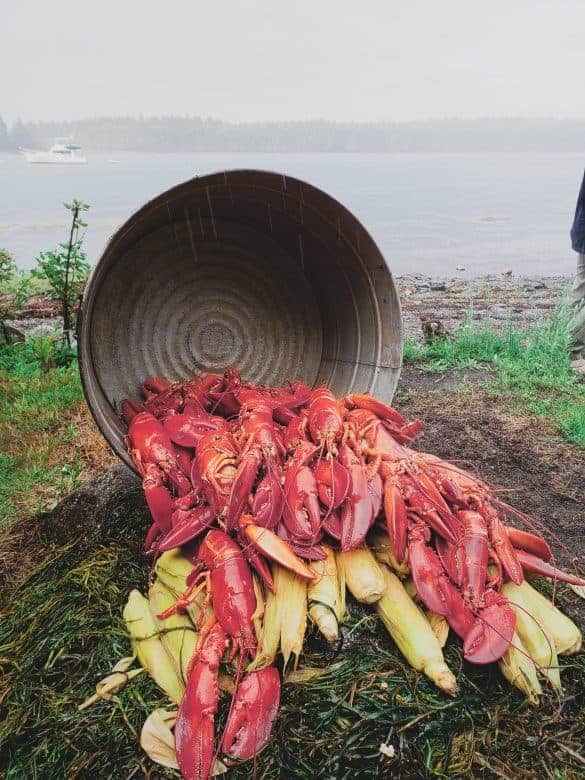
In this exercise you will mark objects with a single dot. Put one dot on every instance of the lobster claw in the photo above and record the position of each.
(195, 728)
(268, 502)
(531, 543)
(253, 711)
(190, 525)
(273, 547)
(492, 631)
(536, 565)
(158, 497)
(333, 482)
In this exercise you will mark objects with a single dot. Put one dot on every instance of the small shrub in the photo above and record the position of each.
(66, 269)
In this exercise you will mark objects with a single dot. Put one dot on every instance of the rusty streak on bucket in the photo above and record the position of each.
(246, 268)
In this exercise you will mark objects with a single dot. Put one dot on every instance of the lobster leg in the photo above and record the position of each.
(253, 711)
(194, 728)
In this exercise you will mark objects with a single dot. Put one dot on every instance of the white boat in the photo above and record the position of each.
(63, 152)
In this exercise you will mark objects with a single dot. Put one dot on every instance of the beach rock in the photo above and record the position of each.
(438, 286)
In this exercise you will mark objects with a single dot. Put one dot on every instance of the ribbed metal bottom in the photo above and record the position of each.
(169, 313)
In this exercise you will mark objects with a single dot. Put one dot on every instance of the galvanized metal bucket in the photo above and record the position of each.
(245, 268)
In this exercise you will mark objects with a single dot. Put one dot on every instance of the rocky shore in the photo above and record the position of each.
(492, 300)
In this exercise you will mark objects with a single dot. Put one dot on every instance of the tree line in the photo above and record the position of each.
(199, 134)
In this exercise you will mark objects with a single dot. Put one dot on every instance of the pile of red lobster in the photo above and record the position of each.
(245, 474)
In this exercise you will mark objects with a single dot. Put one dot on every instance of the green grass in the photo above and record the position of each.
(38, 459)
(531, 369)
(62, 631)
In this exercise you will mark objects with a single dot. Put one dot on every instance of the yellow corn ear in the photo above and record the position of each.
(412, 633)
(292, 590)
(518, 668)
(362, 573)
(177, 632)
(565, 634)
(534, 634)
(326, 596)
(379, 544)
(439, 625)
(148, 647)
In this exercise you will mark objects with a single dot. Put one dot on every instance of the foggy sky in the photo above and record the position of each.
(299, 59)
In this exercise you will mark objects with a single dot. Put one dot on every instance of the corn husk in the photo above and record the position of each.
(565, 634)
(292, 591)
(439, 625)
(258, 615)
(172, 569)
(410, 588)
(113, 682)
(379, 544)
(518, 668)
(148, 647)
(412, 633)
(362, 573)
(534, 634)
(177, 632)
(326, 596)
(269, 642)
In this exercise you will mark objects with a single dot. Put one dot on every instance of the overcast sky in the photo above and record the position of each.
(300, 59)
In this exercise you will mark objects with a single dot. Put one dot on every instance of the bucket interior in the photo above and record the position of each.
(246, 269)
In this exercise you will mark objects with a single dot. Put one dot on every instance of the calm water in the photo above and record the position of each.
(428, 213)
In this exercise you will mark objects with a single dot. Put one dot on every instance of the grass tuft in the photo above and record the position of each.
(530, 369)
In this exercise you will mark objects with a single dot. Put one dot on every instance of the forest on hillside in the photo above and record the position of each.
(198, 134)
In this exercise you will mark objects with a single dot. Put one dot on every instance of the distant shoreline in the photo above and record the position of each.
(200, 134)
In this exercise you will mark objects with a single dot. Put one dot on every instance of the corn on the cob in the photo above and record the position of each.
(362, 573)
(293, 591)
(148, 647)
(534, 634)
(326, 596)
(518, 668)
(412, 633)
(379, 544)
(177, 632)
(565, 634)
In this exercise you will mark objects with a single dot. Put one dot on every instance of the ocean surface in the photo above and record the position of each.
(428, 213)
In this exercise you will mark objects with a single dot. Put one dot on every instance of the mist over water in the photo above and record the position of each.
(428, 212)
